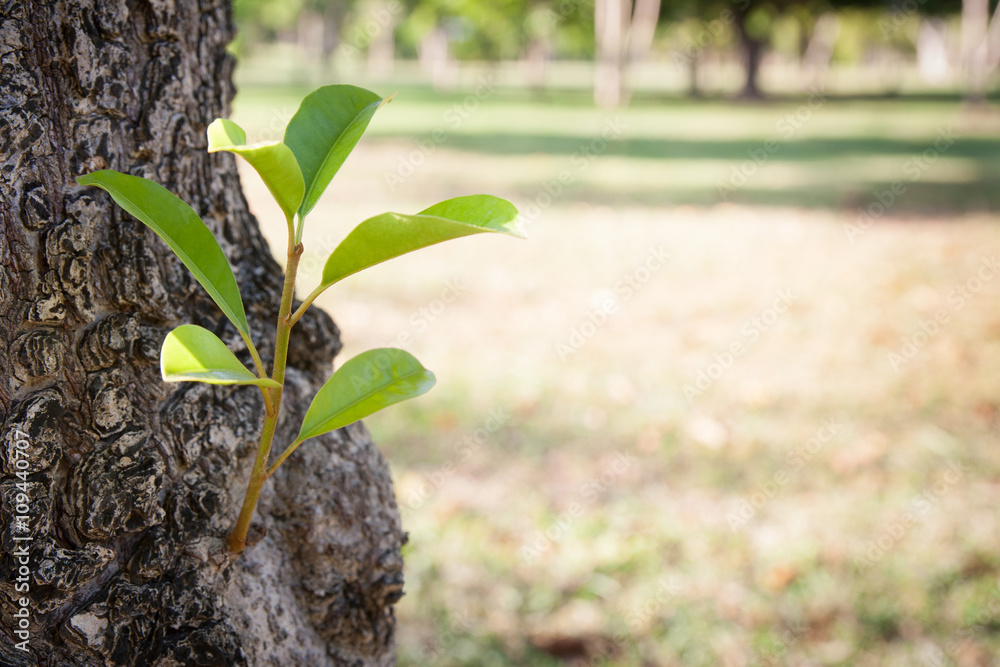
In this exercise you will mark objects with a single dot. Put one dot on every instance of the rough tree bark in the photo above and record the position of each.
(133, 484)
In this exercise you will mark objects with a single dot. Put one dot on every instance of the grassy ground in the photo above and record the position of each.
(695, 419)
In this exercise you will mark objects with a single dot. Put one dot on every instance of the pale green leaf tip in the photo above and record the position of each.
(221, 135)
(517, 228)
(90, 180)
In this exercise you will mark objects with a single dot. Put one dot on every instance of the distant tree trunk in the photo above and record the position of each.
(693, 91)
(133, 484)
(818, 53)
(435, 58)
(975, 56)
(993, 41)
(623, 34)
(540, 29)
(309, 35)
(932, 51)
(382, 48)
(642, 29)
(980, 47)
(333, 17)
(752, 49)
(535, 62)
(609, 28)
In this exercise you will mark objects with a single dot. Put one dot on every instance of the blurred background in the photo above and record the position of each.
(735, 400)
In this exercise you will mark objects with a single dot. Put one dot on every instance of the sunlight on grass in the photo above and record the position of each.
(591, 480)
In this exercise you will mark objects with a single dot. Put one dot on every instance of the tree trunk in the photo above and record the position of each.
(333, 17)
(610, 17)
(623, 32)
(309, 35)
(975, 56)
(693, 91)
(818, 54)
(932, 51)
(435, 58)
(993, 42)
(535, 63)
(132, 484)
(642, 29)
(752, 52)
(382, 47)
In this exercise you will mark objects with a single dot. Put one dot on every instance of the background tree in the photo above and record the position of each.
(134, 484)
(980, 46)
(624, 31)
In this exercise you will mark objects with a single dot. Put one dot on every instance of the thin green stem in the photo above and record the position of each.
(281, 459)
(284, 325)
(298, 229)
(301, 310)
(255, 354)
(294, 235)
(238, 538)
(261, 373)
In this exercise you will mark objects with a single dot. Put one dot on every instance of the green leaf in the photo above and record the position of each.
(367, 383)
(194, 354)
(325, 130)
(273, 160)
(180, 228)
(392, 234)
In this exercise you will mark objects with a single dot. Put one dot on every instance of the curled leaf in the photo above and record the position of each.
(273, 161)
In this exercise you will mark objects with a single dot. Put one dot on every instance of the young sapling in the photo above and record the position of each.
(296, 170)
